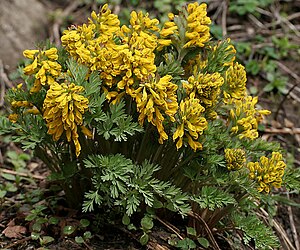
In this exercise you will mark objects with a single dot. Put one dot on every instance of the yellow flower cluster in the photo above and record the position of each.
(121, 55)
(84, 42)
(191, 122)
(236, 81)
(141, 40)
(44, 67)
(63, 110)
(235, 158)
(267, 172)
(245, 117)
(155, 99)
(197, 32)
(206, 88)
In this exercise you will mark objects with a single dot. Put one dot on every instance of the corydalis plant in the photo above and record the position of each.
(141, 116)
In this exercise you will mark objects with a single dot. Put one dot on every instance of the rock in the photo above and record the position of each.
(23, 23)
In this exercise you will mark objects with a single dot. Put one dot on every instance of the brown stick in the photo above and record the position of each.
(207, 229)
(171, 227)
(56, 26)
(18, 242)
(224, 18)
(293, 227)
(293, 131)
(8, 171)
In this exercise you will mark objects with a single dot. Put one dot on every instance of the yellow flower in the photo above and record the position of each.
(207, 89)
(78, 42)
(106, 24)
(235, 158)
(63, 110)
(230, 51)
(30, 54)
(235, 81)
(18, 104)
(197, 33)
(13, 118)
(267, 172)
(44, 67)
(33, 111)
(245, 117)
(155, 99)
(191, 123)
(169, 28)
(141, 22)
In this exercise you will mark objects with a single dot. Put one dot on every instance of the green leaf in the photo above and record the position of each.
(144, 239)
(78, 71)
(10, 187)
(253, 67)
(126, 220)
(131, 227)
(157, 204)
(186, 244)
(30, 217)
(285, 201)
(213, 197)
(44, 240)
(35, 235)
(41, 220)
(79, 239)
(191, 231)
(24, 157)
(37, 227)
(68, 230)
(203, 242)
(2, 193)
(147, 223)
(87, 235)
(8, 177)
(84, 222)
(53, 220)
(268, 88)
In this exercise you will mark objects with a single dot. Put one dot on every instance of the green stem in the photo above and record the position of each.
(143, 145)
(41, 153)
(158, 153)
(185, 161)
(219, 214)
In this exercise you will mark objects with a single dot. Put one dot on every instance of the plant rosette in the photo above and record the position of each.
(148, 115)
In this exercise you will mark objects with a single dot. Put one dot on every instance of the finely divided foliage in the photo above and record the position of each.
(148, 116)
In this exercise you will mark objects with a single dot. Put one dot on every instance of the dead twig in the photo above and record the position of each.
(18, 242)
(207, 229)
(58, 22)
(155, 246)
(224, 18)
(280, 231)
(291, 131)
(287, 70)
(296, 77)
(256, 21)
(4, 82)
(170, 227)
(8, 171)
(293, 227)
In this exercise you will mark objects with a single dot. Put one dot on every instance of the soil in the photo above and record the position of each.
(25, 22)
